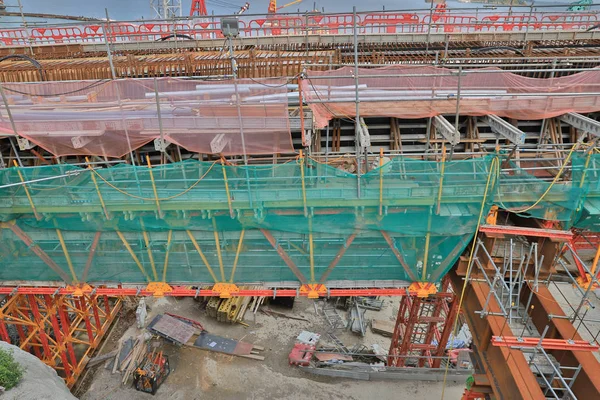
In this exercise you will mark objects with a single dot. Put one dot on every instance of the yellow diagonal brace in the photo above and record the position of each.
(67, 257)
(169, 237)
(202, 256)
(311, 249)
(149, 250)
(380, 182)
(443, 170)
(97, 188)
(37, 216)
(226, 187)
(130, 250)
(218, 250)
(237, 255)
(160, 214)
(427, 242)
(303, 184)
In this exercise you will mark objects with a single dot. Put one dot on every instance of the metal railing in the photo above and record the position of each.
(418, 21)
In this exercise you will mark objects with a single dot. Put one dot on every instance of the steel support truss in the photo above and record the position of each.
(62, 330)
(422, 328)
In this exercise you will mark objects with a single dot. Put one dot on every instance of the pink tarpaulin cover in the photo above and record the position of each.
(111, 118)
(426, 91)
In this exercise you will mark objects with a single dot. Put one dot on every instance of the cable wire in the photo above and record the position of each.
(90, 86)
(152, 198)
(493, 167)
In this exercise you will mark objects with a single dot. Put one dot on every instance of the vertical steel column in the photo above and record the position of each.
(66, 329)
(60, 339)
(37, 316)
(82, 308)
(4, 332)
(240, 119)
(118, 93)
(94, 306)
(451, 316)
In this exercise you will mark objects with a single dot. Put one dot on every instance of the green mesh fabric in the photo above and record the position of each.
(520, 191)
(586, 175)
(408, 220)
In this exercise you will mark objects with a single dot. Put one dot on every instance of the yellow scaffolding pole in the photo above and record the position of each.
(130, 250)
(303, 184)
(169, 237)
(218, 250)
(149, 250)
(160, 214)
(97, 188)
(37, 216)
(237, 255)
(439, 197)
(427, 240)
(380, 182)
(202, 256)
(67, 256)
(311, 250)
(227, 188)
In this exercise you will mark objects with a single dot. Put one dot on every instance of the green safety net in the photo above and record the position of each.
(586, 175)
(551, 197)
(408, 220)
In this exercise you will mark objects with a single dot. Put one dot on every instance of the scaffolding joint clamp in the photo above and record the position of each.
(159, 289)
(226, 290)
(313, 290)
(422, 289)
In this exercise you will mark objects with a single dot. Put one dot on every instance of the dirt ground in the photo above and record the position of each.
(199, 374)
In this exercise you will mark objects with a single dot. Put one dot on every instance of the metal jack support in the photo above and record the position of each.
(423, 328)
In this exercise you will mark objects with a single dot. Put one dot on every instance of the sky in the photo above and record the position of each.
(137, 9)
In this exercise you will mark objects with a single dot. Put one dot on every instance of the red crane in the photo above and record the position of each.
(198, 8)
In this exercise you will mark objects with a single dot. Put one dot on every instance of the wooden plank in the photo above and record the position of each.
(252, 356)
(385, 328)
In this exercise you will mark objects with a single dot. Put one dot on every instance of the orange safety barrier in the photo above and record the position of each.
(276, 26)
(392, 23)
(507, 23)
(441, 20)
(91, 32)
(339, 24)
(568, 21)
(13, 36)
(122, 32)
(450, 23)
(211, 30)
(57, 34)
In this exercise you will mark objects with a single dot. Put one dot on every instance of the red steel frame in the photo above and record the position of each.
(420, 321)
(583, 241)
(62, 330)
(187, 291)
(508, 372)
(546, 344)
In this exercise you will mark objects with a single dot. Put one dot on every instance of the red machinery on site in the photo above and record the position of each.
(152, 372)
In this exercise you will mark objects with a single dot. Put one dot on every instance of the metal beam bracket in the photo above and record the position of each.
(446, 129)
(506, 129)
(160, 144)
(24, 144)
(581, 122)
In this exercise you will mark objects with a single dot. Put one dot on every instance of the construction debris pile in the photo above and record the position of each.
(328, 355)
